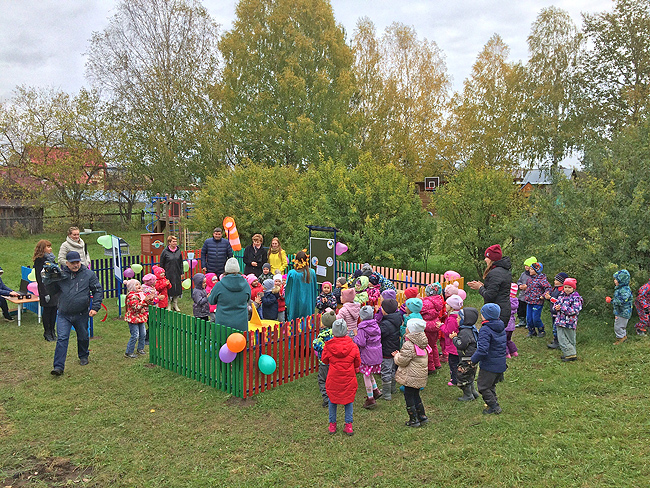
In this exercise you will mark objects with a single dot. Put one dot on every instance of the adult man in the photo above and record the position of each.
(77, 285)
(214, 253)
(74, 242)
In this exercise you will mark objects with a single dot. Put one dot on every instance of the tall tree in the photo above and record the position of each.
(157, 59)
(287, 84)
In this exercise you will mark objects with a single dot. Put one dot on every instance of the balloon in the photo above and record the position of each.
(462, 294)
(128, 273)
(123, 300)
(451, 275)
(340, 248)
(608, 299)
(226, 355)
(193, 263)
(266, 364)
(236, 342)
(137, 268)
(186, 284)
(105, 240)
(186, 266)
(32, 275)
(33, 288)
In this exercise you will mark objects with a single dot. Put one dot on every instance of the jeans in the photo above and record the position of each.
(64, 324)
(138, 335)
(534, 317)
(348, 412)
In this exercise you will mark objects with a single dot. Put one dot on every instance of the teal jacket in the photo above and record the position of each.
(231, 296)
(623, 298)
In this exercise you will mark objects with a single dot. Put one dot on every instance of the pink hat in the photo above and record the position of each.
(347, 295)
(250, 278)
(326, 283)
(451, 289)
(455, 302)
(572, 282)
(149, 278)
(513, 289)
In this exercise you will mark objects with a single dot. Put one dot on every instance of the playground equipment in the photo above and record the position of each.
(233, 235)
(167, 216)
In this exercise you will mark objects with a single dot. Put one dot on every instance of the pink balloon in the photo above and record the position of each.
(462, 294)
(193, 263)
(129, 273)
(340, 248)
(33, 288)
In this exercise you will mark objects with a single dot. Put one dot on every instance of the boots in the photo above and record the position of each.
(393, 386)
(553, 345)
(474, 392)
(419, 410)
(413, 417)
(387, 394)
(175, 304)
(370, 403)
(376, 394)
(467, 394)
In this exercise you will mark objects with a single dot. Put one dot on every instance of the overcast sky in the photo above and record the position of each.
(42, 41)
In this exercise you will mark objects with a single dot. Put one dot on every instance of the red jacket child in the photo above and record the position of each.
(344, 359)
(431, 307)
(162, 286)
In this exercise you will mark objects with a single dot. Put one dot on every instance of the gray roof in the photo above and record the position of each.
(543, 176)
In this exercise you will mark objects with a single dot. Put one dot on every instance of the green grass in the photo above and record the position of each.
(563, 424)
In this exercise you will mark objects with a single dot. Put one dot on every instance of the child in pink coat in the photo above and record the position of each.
(349, 311)
(512, 323)
(432, 305)
(454, 304)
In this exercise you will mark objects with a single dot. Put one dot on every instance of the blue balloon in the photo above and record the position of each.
(266, 364)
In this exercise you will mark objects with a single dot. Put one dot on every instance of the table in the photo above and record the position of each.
(87, 232)
(20, 302)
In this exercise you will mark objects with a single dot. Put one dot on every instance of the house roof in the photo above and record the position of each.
(543, 176)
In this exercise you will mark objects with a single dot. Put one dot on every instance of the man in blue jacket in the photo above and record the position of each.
(5, 291)
(214, 253)
(77, 286)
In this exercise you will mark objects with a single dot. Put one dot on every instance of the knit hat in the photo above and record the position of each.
(490, 311)
(232, 266)
(250, 278)
(366, 269)
(411, 292)
(130, 284)
(538, 267)
(572, 282)
(455, 302)
(561, 276)
(451, 289)
(469, 316)
(530, 261)
(268, 284)
(416, 325)
(266, 266)
(339, 328)
(357, 273)
(494, 252)
(514, 288)
(366, 312)
(341, 280)
(434, 288)
(277, 277)
(327, 319)
(347, 295)
(373, 279)
(389, 305)
(149, 278)
(361, 284)
(326, 283)
(389, 294)
(414, 305)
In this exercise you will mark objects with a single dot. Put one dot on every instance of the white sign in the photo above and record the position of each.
(117, 258)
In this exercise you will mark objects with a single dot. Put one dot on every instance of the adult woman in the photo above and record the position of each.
(74, 242)
(48, 300)
(231, 295)
(498, 278)
(254, 256)
(277, 257)
(171, 260)
(301, 290)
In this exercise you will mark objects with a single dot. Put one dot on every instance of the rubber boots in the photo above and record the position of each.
(413, 417)
(387, 394)
(419, 410)
(467, 394)
(393, 386)
(175, 304)
(474, 392)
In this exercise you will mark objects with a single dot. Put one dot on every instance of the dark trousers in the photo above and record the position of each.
(521, 310)
(412, 396)
(49, 320)
(4, 307)
(486, 383)
(322, 378)
(453, 367)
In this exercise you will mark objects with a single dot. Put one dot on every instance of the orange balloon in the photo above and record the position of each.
(236, 342)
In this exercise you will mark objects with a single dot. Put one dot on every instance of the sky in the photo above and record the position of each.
(42, 42)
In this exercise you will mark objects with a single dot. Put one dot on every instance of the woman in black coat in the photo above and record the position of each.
(498, 278)
(49, 301)
(171, 260)
(255, 256)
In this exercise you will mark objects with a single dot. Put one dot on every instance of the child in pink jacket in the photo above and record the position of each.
(432, 305)
(349, 311)
(454, 304)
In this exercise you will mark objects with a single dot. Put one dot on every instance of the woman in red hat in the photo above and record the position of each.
(497, 277)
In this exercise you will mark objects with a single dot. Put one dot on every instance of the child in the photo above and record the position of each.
(349, 311)
(522, 283)
(622, 303)
(211, 280)
(201, 307)
(465, 342)
(342, 356)
(325, 334)
(512, 351)
(266, 273)
(149, 286)
(341, 284)
(568, 306)
(552, 297)
(136, 315)
(534, 298)
(254, 283)
(491, 355)
(410, 292)
(389, 325)
(368, 339)
(412, 308)
(282, 307)
(642, 304)
(270, 301)
(360, 287)
(326, 299)
(374, 291)
(412, 369)
(432, 304)
(162, 287)
(454, 304)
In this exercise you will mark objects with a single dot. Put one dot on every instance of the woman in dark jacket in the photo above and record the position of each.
(254, 256)
(498, 278)
(49, 301)
(171, 260)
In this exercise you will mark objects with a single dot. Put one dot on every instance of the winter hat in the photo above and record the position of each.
(389, 305)
(361, 284)
(415, 325)
(373, 279)
(411, 292)
(494, 252)
(341, 280)
(266, 266)
(389, 294)
(268, 284)
(339, 328)
(232, 266)
(490, 311)
(325, 283)
(357, 273)
(277, 277)
(250, 278)
(327, 319)
(414, 305)
(158, 271)
(469, 316)
(514, 288)
(538, 267)
(366, 269)
(130, 284)
(455, 302)
(366, 312)
(572, 282)
(561, 276)
(198, 280)
(530, 261)
(451, 289)
(347, 295)
(149, 278)
(434, 288)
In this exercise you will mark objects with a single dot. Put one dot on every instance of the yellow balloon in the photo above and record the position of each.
(32, 275)
(105, 241)
(186, 267)
(137, 268)
(186, 284)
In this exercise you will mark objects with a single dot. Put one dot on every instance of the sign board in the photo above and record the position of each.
(117, 258)
(322, 258)
(431, 183)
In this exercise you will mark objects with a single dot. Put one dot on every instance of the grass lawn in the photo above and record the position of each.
(119, 422)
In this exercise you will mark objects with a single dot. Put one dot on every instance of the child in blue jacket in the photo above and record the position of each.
(622, 303)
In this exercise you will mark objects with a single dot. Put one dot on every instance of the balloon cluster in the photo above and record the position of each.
(132, 271)
(235, 343)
